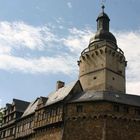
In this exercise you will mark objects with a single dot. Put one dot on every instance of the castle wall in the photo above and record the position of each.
(92, 129)
(54, 133)
(87, 120)
(102, 121)
(122, 129)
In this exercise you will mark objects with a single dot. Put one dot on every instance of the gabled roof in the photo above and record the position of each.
(31, 108)
(60, 94)
(53, 97)
(20, 105)
(8, 105)
(107, 96)
(43, 99)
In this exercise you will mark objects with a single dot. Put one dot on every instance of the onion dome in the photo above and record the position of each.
(103, 29)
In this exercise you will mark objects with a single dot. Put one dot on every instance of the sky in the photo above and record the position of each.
(41, 41)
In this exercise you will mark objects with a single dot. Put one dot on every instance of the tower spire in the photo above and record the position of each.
(103, 20)
(103, 27)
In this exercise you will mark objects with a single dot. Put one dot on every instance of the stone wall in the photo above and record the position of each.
(54, 133)
(122, 129)
(102, 68)
(83, 129)
(101, 121)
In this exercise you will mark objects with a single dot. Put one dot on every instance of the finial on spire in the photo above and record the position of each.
(102, 3)
(103, 7)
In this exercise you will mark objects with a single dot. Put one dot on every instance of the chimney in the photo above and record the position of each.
(60, 84)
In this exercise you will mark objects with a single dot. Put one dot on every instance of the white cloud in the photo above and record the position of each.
(77, 40)
(46, 65)
(18, 35)
(69, 4)
(129, 42)
(133, 87)
(5, 49)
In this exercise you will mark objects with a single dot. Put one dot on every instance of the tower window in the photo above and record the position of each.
(137, 111)
(101, 51)
(113, 78)
(94, 77)
(79, 108)
(126, 109)
(96, 52)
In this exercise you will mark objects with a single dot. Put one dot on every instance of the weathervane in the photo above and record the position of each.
(102, 4)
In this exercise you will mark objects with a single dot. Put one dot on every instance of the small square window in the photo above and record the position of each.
(116, 108)
(94, 77)
(137, 111)
(126, 109)
(113, 78)
(79, 108)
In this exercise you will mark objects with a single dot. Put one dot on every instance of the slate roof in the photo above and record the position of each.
(108, 96)
(8, 105)
(52, 98)
(60, 94)
(31, 108)
(44, 99)
(20, 105)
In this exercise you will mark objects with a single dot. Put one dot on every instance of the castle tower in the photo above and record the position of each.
(102, 64)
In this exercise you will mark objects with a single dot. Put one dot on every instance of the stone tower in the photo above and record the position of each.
(102, 64)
